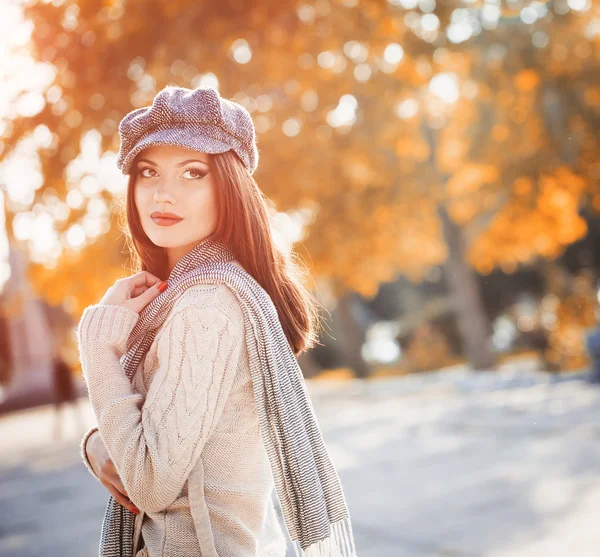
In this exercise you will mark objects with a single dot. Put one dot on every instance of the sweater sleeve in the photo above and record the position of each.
(155, 442)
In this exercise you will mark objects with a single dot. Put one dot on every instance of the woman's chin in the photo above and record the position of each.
(166, 240)
(171, 240)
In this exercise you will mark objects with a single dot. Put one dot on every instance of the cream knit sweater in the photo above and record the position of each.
(188, 420)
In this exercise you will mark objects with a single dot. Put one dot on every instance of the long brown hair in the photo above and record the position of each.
(243, 222)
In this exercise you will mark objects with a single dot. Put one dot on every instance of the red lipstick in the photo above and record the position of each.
(165, 219)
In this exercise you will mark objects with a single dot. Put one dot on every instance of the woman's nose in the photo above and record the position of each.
(162, 193)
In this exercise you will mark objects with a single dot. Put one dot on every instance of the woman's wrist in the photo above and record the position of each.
(105, 325)
(83, 450)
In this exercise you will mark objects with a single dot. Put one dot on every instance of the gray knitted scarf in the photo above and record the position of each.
(307, 484)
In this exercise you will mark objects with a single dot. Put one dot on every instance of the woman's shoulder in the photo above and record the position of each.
(217, 296)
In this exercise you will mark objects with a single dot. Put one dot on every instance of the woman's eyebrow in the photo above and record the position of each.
(191, 160)
(179, 164)
(146, 160)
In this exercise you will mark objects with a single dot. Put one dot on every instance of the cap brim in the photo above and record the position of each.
(178, 137)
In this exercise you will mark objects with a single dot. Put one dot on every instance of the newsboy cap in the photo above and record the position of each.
(198, 119)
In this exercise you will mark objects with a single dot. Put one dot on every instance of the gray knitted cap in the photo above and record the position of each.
(198, 119)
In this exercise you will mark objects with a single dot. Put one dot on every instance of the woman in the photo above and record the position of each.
(65, 393)
(190, 363)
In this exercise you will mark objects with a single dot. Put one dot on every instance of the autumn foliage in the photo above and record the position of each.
(372, 117)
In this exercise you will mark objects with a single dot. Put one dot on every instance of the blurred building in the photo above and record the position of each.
(29, 338)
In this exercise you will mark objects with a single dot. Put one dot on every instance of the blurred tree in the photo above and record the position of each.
(6, 356)
(409, 134)
(428, 349)
(575, 302)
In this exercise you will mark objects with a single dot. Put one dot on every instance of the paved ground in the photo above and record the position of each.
(439, 465)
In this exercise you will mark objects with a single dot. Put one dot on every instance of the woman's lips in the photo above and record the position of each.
(161, 221)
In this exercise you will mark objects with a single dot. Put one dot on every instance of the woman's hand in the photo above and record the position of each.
(105, 470)
(134, 292)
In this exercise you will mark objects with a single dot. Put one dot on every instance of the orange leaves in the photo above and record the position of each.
(466, 200)
(373, 181)
(458, 62)
(391, 25)
(591, 96)
(540, 220)
(523, 186)
(575, 313)
(561, 193)
(81, 278)
(470, 178)
(455, 138)
(500, 133)
(451, 154)
(463, 211)
(357, 169)
(526, 80)
(372, 241)
(413, 147)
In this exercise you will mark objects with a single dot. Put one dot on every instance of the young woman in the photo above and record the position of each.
(190, 363)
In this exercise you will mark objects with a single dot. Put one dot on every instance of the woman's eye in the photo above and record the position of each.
(142, 170)
(195, 173)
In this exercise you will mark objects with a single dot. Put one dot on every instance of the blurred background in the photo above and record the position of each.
(435, 163)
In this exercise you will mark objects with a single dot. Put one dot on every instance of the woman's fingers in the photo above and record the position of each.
(138, 303)
(111, 476)
(134, 292)
(146, 287)
(143, 278)
(120, 498)
(119, 485)
(137, 291)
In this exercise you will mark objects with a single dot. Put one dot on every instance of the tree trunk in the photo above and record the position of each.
(460, 278)
(353, 336)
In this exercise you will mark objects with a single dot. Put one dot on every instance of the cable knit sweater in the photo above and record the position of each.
(184, 435)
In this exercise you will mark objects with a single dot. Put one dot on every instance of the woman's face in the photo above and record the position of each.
(176, 180)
